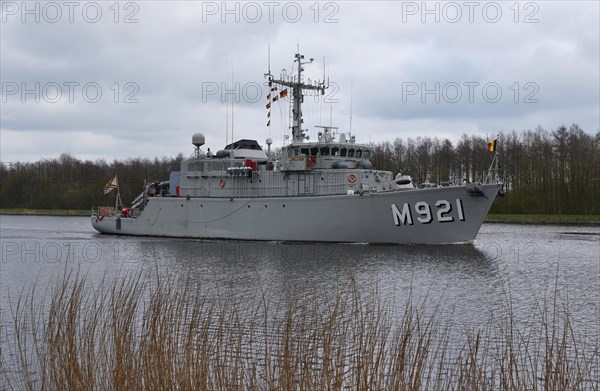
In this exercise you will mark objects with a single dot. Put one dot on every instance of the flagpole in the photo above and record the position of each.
(489, 176)
(493, 167)
(118, 201)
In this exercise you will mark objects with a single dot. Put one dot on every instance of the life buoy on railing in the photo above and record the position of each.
(222, 183)
(352, 178)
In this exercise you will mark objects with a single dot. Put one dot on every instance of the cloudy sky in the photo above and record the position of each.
(136, 79)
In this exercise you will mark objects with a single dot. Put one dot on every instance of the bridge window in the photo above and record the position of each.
(335, 151)
(366, 154)
(325, 151)
(351, 153)
(358, 153)
(343, 151)
(304, 151)
(314, 151)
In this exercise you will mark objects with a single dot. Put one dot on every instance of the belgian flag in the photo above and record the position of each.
(491, 146)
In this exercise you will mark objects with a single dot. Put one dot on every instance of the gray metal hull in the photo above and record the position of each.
(423, 216)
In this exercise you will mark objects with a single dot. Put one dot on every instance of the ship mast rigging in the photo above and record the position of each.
(298, 86)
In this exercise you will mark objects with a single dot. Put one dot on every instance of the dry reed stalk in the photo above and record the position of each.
(129, 334)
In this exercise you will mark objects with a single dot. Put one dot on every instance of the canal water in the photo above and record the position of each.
(517, 264)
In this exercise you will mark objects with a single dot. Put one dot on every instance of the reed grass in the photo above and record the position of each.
(129, 334)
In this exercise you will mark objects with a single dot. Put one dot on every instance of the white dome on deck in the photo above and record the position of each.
(198, 139)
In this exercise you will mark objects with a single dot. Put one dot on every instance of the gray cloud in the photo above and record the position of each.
(154, 74)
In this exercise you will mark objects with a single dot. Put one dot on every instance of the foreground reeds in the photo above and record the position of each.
(132, 335)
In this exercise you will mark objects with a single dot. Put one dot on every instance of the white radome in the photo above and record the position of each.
(198, 139)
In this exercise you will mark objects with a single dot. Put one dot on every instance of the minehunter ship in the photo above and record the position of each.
(325, 190)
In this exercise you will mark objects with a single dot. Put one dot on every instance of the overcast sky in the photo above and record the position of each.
(137, 79)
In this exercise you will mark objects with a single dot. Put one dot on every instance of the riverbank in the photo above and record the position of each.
(46, 212)
(588, 220)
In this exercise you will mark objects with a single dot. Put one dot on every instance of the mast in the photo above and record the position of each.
(297, 87)
(118, 202)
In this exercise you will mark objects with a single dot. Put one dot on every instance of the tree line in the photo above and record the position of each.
(544, 172)
(69, 183)
(550, 172)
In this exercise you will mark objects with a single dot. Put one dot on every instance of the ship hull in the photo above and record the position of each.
(423, 216)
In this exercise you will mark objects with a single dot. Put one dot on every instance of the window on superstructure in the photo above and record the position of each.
(325, 151)
(366, 154)
(335, 151)
(343, 152)
(314, 151)
(304, 151)
(358, 153)
(351, 153)
(214, 166)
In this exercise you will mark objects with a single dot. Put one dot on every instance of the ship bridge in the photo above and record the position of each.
(326, 153)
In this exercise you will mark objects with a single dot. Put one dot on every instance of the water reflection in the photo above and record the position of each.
(464, 275)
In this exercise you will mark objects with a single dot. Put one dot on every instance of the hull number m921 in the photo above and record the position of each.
(425, 215)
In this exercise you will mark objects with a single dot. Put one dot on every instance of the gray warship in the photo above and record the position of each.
(324, 190)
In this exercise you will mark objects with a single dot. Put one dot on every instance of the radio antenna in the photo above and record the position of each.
(227, 124)
(351, 90)
(233, 100)
(269, 58)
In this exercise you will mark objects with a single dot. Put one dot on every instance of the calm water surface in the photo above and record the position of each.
(469, 281)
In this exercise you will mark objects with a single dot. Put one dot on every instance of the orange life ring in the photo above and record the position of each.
(222, 183)
(352, 178)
